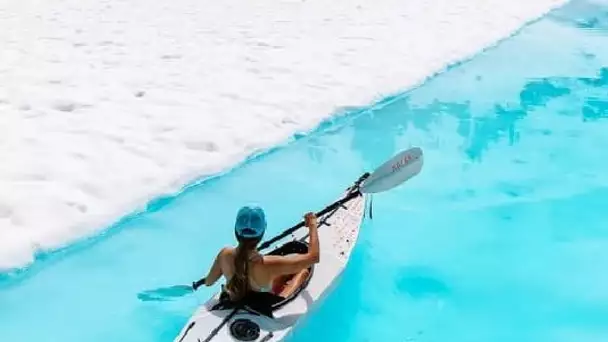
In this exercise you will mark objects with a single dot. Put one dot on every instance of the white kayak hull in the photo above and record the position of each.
(338, 234)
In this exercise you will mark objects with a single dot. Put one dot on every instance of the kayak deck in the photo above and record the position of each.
(338, 233)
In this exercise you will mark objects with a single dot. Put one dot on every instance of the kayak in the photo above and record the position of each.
(268, 317)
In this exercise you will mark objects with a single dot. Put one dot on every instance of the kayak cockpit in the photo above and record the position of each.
(265, 303)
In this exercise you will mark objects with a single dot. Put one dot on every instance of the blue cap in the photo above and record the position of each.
(250, 222)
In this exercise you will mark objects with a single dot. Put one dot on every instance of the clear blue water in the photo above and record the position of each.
(502, 237)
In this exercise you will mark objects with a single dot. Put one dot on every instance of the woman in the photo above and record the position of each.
(246, 270)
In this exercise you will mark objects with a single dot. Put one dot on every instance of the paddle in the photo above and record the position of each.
(397, 170)
(392, 173)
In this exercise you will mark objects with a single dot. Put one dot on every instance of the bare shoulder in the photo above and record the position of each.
(227, 249)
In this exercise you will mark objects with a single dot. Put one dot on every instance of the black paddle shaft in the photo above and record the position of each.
(355, 193)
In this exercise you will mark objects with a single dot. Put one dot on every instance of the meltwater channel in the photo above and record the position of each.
(503, 236)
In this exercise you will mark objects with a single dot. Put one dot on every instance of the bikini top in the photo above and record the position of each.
(257, 287)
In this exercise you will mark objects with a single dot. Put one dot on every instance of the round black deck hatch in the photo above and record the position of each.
(245, 330)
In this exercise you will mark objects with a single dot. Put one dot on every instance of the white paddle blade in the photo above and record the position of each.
(400, 168)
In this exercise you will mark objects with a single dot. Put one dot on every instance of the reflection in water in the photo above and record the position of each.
(598, 82)
(480, 130)
(584, 14)
(539, 93)
(366, 130)
(595, 109)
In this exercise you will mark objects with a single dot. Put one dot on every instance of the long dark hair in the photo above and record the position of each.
(238, 286)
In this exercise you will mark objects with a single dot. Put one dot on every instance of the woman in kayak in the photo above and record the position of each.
(246, 270)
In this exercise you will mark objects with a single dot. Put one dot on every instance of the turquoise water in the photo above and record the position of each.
(502, 237)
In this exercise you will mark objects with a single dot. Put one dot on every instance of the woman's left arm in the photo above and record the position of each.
(214, 273)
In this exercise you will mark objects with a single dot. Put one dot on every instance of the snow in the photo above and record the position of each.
(105, 104)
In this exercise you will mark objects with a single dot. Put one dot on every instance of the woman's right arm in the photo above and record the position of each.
(284, 265)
